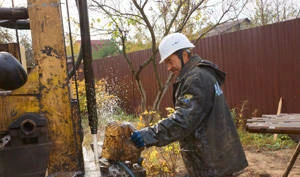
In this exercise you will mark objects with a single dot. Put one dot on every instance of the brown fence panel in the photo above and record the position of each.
(289, 65)
(262, 65)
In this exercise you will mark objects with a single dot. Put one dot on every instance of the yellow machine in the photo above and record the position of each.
(38, 119)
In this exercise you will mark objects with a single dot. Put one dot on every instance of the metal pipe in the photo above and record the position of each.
(13, 13)
(87, 65)
(15, 24)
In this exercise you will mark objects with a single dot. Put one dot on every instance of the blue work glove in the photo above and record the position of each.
(137, 139)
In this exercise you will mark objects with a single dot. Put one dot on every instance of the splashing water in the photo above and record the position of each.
(107, 106)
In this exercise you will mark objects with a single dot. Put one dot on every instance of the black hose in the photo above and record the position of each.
(126, 169)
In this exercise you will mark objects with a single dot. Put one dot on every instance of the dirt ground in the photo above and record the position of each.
(270, 163)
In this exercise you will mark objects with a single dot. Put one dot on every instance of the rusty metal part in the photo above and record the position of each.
(78, 133)
(87, 63)
(15, 24)
(24, 161)
(27, 153)
(13, 13)
(29, 128)
(49, 80)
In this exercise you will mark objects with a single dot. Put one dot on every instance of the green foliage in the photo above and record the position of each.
(108, 49)
(260, 141)
(121, 115)
(137, 46)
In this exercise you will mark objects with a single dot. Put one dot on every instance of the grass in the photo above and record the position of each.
(123, 116)
(258, 141)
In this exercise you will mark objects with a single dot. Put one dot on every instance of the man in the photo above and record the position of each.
(202, 122)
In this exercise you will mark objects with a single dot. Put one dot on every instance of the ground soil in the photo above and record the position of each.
(270, 163)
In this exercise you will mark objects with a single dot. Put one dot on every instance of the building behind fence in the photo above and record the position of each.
(262, 65)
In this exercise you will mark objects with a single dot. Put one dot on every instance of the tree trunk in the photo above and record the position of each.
(142, 93)
(161, 93)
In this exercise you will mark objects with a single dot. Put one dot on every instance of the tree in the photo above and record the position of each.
(272, 11)
(26, 42)
(5, 36)
(109, 48)
(144, 21)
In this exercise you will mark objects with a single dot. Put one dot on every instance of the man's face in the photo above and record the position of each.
(173, 64)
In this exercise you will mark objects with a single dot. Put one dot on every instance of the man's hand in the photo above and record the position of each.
(137, 139)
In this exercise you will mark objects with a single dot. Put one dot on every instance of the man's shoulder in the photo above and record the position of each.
(200, 74)
(200, 71)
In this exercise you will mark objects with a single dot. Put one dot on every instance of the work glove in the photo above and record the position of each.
(137, 139)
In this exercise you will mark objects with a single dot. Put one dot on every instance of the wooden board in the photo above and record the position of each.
(282, 123)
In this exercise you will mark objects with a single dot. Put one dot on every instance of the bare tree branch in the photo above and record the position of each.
(220, 19)
(174, 17)
(188, 15)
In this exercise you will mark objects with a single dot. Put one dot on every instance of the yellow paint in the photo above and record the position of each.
(48, 44)
(46, 90)
(32, 84)
(188, 96)
(11, 107)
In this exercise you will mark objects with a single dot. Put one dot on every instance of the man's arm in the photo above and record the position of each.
(191, 108)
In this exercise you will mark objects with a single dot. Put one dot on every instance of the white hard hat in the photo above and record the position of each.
(171, 43)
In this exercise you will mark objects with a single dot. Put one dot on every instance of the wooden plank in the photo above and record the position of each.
(273, 129)
(295, 115)
(282, 123)
(273, 120)
(266, 130)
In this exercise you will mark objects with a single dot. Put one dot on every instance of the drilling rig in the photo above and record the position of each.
(40, 128)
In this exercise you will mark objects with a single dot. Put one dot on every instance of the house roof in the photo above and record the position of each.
(225, 27)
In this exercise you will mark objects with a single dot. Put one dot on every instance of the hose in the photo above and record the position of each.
(126, 169)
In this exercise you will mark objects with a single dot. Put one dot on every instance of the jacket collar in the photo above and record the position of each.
(194, 61)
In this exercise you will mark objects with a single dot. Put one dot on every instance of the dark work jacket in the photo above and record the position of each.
(202, 123)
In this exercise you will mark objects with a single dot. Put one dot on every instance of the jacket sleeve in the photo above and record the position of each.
(191, 107)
